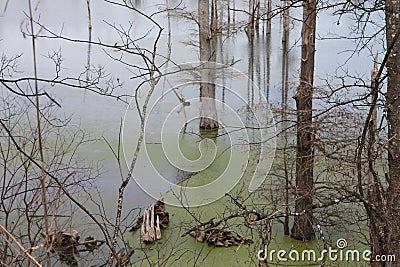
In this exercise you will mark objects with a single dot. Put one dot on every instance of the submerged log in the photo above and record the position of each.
(200, 236)
(219, 236)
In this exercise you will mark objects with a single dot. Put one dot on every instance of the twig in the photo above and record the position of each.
(43, 177)
(21, 247)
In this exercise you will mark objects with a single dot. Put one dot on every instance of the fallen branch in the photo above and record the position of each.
(21, 247)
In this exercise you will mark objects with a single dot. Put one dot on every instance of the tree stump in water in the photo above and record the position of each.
(153, 218)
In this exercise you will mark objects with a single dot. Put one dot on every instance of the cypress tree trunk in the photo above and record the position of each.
(302, 228)
(250, 22)
(208, 119)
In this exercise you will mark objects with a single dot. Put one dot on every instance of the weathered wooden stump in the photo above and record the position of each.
(153, 218)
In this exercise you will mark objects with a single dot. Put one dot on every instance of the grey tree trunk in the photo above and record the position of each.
(250, 22)
(214, 17)
(234, 11)
(286, 18)
(229, 13)
(208, 116)
(302, 228)
(221, 17)
(269, 16)
(285, 88)
(257, 16)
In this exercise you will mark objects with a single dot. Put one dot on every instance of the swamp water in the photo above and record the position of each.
(101, 116)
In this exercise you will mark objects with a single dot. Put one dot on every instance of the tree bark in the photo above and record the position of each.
(214, 17)
(286, 18)
(374, 193)
(284, 107)
(208, 116)
(393, 106)
(250, 22)
(257, 19)
(302, 228)
(229, 13)
(269, 17)
(385, 232)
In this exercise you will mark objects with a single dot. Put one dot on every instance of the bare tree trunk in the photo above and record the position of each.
(221, 16)
(302, 228)
(286, 18)
(257, 23)
(385, 230)
(234, 12)
(250, 23)
(250, 73)
(208, 118)
(214, 17)
(39, 136)
(268, 67)
(229, 13)
(89, 41)
(269, 17)
(285, 88)
(377, 223)
(377, 232)
(393, 106)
